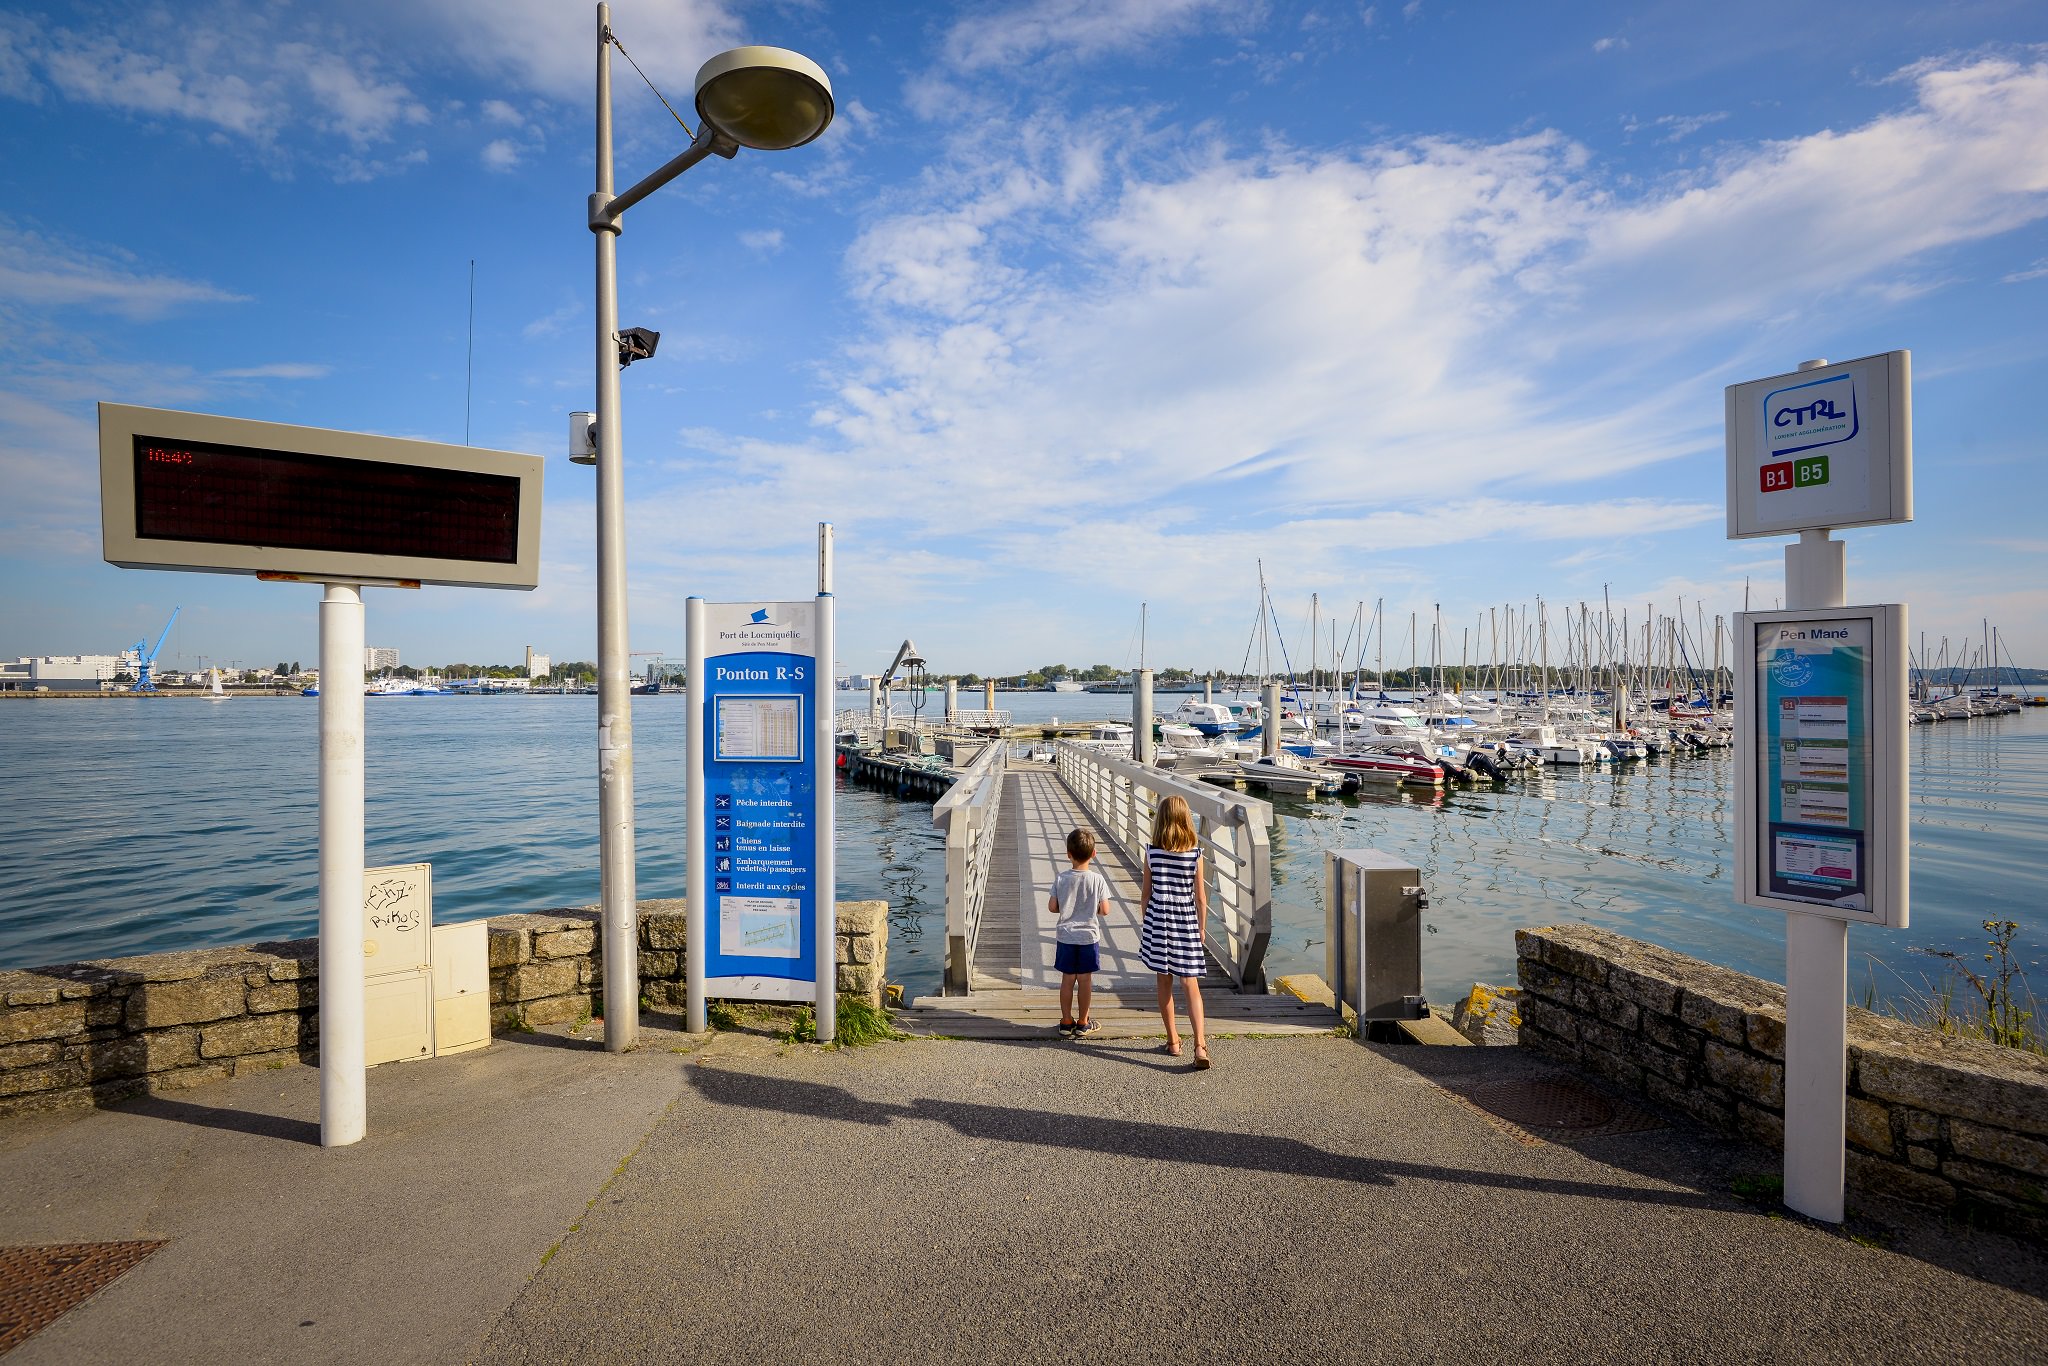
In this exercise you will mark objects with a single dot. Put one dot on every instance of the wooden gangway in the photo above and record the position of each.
(1006, 822)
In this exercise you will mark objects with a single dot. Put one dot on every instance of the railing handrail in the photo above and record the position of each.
(968, 787)
(1120, 796)
(967, 815)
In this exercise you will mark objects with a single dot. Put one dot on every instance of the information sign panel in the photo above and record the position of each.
(1821, 794)
(231, 496)
(1829, 447)
(754, 690)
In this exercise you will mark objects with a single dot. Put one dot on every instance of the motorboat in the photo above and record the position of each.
(1396, 763)
(1210, 718)
(1283, 775)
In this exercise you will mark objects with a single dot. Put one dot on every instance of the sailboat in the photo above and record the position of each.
(214, 692)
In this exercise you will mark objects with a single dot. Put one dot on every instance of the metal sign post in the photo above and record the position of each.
(344, 1105)
(1821, 788)
(225, 495)
(758, 803)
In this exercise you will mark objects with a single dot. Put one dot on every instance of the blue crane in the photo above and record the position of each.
(142, 683)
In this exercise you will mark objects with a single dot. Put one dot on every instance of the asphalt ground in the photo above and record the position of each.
(742, 1199)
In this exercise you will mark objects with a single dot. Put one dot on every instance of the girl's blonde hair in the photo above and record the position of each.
(1173, 826)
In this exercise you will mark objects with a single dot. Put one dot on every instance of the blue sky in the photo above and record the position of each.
(1076, 306)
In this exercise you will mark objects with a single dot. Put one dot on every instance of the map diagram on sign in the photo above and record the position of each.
(760, 926)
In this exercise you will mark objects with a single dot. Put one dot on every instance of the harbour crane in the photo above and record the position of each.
(145, 661)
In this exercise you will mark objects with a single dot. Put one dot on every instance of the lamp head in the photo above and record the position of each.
(767, 98)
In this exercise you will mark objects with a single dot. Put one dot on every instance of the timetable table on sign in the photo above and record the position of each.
(760, 728)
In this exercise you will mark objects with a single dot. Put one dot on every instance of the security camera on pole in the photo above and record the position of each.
(1820, 706)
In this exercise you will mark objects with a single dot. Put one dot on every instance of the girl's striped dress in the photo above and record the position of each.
(1171, 939)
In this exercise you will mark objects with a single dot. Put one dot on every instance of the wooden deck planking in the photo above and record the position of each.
(1015, 991)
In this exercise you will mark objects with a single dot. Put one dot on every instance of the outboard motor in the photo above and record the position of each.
(1483, 764)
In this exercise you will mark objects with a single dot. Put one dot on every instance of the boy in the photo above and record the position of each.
(1080, 898)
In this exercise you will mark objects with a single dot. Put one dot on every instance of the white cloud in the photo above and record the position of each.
(767, 241)
(553, 322)
(550, 46)
(2034, 272)
(498, 111)
(1674, 127)
(1337, 356)
(500, 154)
(278, 370)
(1807, 216)
(360, 105)
(1070, 28)
(45, 272)
(1609, 44)
(254, 74)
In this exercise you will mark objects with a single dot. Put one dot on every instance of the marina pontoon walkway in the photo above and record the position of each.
(1014, 989)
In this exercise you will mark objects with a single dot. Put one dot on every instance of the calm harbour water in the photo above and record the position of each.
(138, 826)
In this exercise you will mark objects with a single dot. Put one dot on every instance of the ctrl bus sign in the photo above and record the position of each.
(231, 496)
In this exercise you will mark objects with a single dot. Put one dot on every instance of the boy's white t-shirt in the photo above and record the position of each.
(1080, 894)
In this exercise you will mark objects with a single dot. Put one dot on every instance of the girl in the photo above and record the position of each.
(1176, 906)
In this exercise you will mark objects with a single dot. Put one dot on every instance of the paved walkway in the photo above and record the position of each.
(1310, 1199)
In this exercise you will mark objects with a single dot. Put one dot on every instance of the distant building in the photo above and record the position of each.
(64, 673)
(376, 659)
(537, 666)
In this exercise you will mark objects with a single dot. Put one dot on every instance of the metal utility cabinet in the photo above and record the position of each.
(427, 989)
(1373, 906)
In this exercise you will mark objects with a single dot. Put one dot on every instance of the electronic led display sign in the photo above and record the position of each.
(193, 491)
(228, 495)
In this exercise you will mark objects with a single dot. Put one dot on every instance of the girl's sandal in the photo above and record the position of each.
(1202, 1063)
(1171, 1048)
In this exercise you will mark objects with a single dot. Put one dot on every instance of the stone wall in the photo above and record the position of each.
(1936, 1120)
(84, 1033)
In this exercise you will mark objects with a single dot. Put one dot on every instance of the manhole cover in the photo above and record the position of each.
(1544, 1104)
(39, 1285)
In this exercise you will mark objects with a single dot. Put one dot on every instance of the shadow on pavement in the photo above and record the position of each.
(1683, 1152)
(211, 1117)
(1136, 1138)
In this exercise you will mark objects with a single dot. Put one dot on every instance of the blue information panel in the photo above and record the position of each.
(1814, 680)
(1820, 797)
(753, 698)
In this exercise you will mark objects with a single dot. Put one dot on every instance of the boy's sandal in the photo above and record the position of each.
(1087, 1027)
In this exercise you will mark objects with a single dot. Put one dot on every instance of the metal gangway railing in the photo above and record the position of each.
(1120, 796)
(975, 720)
(967, 815)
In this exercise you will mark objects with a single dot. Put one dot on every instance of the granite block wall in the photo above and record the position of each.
(84, 1033)
(1936, 1120)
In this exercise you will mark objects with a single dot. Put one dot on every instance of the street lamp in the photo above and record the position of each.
(762, 97)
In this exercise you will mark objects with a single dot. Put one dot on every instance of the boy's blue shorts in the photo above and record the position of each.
(1075, 958)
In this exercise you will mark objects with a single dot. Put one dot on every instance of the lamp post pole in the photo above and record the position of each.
(760, 97)
(618, 910)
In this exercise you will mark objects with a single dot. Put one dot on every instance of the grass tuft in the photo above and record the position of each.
(1759, 1188)
(861, 1024)
(1994, 1006)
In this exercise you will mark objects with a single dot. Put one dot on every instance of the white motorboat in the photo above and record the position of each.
(1210, 718)
(1282, 775)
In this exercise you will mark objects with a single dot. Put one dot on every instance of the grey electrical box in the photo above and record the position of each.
(1373, 906)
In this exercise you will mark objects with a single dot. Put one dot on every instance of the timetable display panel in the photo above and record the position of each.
(1821, 796)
